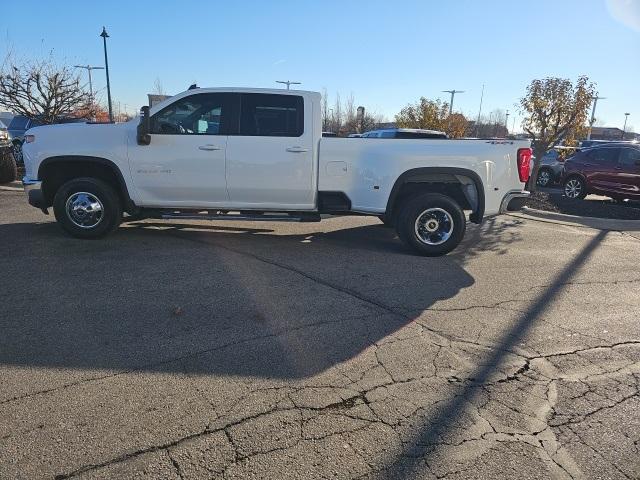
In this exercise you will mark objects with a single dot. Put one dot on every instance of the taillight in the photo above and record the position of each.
(524, 163)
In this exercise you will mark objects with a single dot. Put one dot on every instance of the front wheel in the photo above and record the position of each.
(575, 188)
(431, 224)
(87, 208)
(8, 168)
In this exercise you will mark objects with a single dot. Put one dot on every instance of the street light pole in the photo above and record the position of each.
(453, 94)
(624, 129)
(593, 114)
(288, 83)
(88, 68)
(104, 36)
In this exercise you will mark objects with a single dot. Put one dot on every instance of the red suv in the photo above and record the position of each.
(612, 170)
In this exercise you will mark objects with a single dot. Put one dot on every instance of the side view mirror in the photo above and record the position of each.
(144, 127)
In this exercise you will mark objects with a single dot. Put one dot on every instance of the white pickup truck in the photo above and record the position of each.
(258, 154)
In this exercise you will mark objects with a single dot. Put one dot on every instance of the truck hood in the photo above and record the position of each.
(101, 140)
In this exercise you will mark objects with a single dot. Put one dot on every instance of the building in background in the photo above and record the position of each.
(612, 133)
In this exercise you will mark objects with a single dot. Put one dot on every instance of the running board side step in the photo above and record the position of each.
(303, 217)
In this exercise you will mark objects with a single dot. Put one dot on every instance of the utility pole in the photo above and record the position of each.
(288, 83)
(479, 110)
(593, 114)
(88, 68)
(453, 94)
(624, 129)
(104, 36)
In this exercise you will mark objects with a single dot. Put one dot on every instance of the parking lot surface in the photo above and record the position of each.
(325, 350)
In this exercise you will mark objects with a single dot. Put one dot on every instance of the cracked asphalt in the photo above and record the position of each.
(189, 350)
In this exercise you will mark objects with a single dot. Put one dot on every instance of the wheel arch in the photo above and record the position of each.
(424, 179)
(56, 170)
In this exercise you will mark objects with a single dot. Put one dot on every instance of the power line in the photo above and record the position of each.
(453, 94)
(88, 68)
(288, 83)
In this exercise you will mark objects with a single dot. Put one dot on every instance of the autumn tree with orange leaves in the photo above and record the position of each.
(555, 110)
(432, 115)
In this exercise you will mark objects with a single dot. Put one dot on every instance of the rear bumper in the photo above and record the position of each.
(513, 201)
(34, 192)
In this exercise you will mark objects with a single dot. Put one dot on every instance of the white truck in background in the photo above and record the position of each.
(258, 154)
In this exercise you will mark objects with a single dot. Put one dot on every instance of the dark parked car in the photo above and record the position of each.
(612, 170)
(20, 124)
(8, 167)
(404, 133)
(551, 168)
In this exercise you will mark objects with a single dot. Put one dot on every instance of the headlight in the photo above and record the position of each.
(4, 135)
(29, 138)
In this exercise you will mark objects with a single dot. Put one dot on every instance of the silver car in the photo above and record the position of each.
(551, 167)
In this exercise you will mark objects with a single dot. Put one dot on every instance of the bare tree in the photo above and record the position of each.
(336, 117)
(44, 90)
(325, 110)
(158, 88)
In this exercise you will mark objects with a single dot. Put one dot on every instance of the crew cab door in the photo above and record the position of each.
(270, 163)
(599, 167)
(628, 172)
(184, 165)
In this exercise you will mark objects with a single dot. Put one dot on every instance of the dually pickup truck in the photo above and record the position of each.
(258, 154)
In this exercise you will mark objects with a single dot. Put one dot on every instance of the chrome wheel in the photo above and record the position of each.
(573, 188)
(544, 178)
(84, 209)
(434, 226)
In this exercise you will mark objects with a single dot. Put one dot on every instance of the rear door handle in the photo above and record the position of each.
(209, 147)
(297, 149)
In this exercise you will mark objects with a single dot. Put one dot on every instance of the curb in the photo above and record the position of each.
(577, 221)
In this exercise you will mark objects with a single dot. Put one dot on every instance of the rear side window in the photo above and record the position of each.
(603, 156)
(630, 157)
(271, 115)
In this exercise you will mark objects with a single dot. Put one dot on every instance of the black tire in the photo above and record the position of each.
(8, 167)
(545, 177)
(386, 221)
(17, 153)
(88, 190)
(575, 188)
(445, 216)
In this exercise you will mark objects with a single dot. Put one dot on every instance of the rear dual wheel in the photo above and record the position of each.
(431, 224)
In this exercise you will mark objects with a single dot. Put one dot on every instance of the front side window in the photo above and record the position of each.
(630, 157)
(272, 115)
(603, 156)
(199, 114)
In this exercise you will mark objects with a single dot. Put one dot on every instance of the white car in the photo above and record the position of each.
(209, 152)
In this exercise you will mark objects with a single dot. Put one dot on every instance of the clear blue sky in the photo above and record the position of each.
(386, 53)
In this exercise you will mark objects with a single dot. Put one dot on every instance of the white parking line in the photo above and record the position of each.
(11, 189)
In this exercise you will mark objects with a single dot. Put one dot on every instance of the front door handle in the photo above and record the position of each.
(297, 149)
(209, 147)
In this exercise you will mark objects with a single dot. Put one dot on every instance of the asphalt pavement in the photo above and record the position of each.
(188, 350)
